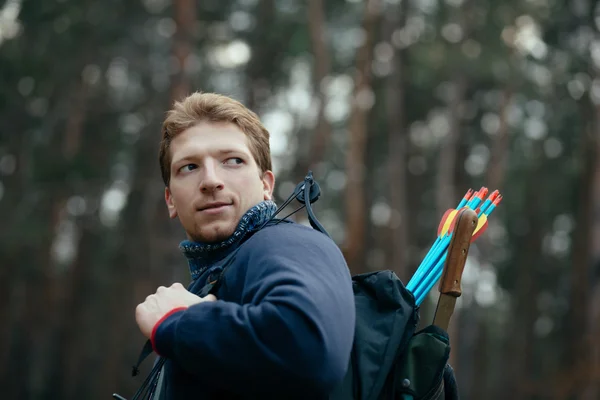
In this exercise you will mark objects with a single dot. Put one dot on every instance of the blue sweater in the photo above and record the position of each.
(282, 327)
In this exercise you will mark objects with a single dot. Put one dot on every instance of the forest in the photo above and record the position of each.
(398, 107)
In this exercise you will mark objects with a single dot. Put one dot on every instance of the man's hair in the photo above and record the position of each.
(213, 107)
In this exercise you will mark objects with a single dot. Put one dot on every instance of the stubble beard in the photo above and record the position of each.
(214, 233)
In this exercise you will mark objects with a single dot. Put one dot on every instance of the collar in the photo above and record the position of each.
(201, 255)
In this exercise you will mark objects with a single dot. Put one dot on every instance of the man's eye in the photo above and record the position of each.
(234, 161)
(188, 167)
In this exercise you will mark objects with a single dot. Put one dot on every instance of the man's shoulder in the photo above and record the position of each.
(288, 233)
(292, 247)
(290, 230)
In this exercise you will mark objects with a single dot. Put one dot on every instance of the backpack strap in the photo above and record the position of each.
(146, 351)
(159, 393)
(306, 192)
(214, 284)
(309, 193)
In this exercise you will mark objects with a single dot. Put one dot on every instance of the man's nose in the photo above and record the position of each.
(211, 180)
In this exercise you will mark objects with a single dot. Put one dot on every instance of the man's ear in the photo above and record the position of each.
(268, 180)
(170, 203)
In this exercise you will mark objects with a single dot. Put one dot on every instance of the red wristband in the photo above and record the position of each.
(167, 315)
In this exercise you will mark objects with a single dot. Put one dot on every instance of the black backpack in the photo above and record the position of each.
(389, 360)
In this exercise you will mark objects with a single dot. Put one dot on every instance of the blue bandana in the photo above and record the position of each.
(202, 255)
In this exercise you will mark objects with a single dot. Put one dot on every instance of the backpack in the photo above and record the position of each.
(389, 359)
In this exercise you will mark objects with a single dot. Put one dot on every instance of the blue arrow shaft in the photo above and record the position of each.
(425, 265)
(433, 274)
(428, 284)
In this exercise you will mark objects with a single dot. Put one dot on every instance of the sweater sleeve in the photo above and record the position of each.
(294, 327)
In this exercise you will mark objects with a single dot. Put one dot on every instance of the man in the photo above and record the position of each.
(282, 322)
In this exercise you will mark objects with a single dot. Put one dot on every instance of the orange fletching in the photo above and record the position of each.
(443, 226)
(482, 225)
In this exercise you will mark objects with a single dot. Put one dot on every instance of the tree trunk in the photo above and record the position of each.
(398, 226)
(355, 196)
(16, 253)
(527, 288)
(265, 46)
(312, 150)
(76, 342)
(322, 68)
(183, 43)
(478, 389)
(51, 294)
(579, 343)
(500, 146)
(593, 390)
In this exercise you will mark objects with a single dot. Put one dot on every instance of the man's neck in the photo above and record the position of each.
(201, 256)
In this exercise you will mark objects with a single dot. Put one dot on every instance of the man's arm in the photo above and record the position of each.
(293, 332)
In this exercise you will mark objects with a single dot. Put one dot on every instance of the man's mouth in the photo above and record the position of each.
(214, 206)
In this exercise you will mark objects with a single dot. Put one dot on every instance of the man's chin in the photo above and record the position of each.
(212, 234)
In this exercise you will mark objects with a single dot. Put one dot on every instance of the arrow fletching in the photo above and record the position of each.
(482, 225)
(446, 221)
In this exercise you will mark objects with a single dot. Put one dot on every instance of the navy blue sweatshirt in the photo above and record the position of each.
(282, 327)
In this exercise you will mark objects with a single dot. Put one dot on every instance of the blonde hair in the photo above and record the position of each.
(213, 107)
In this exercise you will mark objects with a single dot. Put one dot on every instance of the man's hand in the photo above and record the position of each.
(148, 313)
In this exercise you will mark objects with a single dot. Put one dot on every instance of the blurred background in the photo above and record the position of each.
(397, 106)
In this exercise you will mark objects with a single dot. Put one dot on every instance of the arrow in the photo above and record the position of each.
(430, 269)
(443, 228)
(424, 285)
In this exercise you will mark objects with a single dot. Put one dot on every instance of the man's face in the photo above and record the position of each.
(214, 180)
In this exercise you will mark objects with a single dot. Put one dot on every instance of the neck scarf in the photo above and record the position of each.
(201, 255)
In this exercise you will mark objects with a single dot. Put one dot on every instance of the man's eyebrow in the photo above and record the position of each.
(189, 157)
(229, 151)
(180, 159)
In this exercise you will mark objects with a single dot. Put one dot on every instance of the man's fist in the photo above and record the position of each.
(148, 313)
